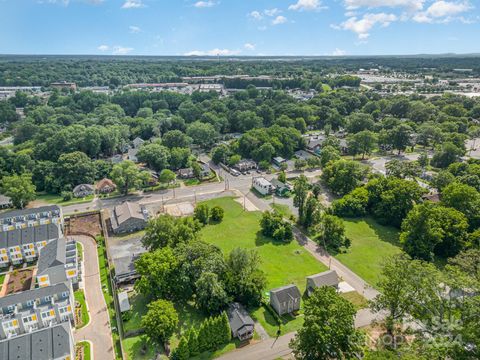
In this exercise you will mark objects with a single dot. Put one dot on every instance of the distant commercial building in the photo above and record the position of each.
(64, 85)
(245, 165)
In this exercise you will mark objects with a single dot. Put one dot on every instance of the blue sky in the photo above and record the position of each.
(239, 27)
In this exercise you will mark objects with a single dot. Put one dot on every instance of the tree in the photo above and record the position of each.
(193, 342)
(274, 226)
(156, 270)
(182, 352)
(202, 213)
(19, 189)
(73, 169)
(211, 296)
(217, 213)
(167, 176)
(331, 233)
(401, 137)
(448, 154)
(244, 279)
(165, 230)
(160, 321)
(126, 176)
(342, 176)
(300, 190)
(176, 138)
(391, 199)
(354, 204)
(156, 156)
(220, 154)
(362, 142)
(300, 164)
(202, 134)
(312, 212)
(431, 229)
(328, 153)
(465, 199)
(329, 330)
(397, 290)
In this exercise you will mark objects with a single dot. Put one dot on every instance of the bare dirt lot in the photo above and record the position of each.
(84, 224)
(19, 280)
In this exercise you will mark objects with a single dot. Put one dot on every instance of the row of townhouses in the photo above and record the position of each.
(37, 323)
(23, 233)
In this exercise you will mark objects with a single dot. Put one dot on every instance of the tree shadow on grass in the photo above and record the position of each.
(261, 240)
(385, 233)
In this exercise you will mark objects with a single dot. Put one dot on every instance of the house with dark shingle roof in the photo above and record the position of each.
(128, 217)
(285, 299)
(83, 190)
(241, 323)
(5, 202)
(326, 278)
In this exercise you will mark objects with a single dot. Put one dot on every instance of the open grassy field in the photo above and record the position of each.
(283, 263)
(371, 244)
(58, 199)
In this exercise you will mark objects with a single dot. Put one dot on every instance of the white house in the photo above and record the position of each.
(262, 185)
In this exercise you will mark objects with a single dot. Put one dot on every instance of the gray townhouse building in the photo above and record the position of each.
(24, 232)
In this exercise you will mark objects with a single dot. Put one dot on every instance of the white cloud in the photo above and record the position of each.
(442, 11)
(256, 15)
(338, 52)
(279, 20)
(213, 52)
(362, 26)
(120, 50)
(412, 5)
(103, 48)
(306, 5)
(205, 4)
(272, 12)
(133, 4)
(134, 29)
(249, 46)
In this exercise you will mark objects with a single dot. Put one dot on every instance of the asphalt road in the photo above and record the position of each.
(98, 330)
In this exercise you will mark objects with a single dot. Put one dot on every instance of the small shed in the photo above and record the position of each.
(123, 302)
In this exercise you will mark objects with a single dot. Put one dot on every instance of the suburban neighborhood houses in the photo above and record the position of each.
(227, 207)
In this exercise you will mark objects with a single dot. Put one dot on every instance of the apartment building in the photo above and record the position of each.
(23, 233)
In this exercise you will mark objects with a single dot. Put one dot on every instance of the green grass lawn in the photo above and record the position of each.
(87, 351)
(358, 301)
(289, 323)
(2, 279)
(108, 293)
(283, 263)
(79, 251)
(134, 348)
(56, 199)
(138, 305)
(80, 297)
(371, 244)
(284, 210)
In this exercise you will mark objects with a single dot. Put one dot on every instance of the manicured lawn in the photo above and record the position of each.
(85, 317)
(79, 251)
(283, 263)
(58, 200)
(284, 210)
(371, 245)
(289, 323)
(138, 305)
(87, 351)
(134, 349)
(2, 278)
(108, 293)
(358, 301)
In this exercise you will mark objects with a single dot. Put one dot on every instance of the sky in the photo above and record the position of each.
(239, 27)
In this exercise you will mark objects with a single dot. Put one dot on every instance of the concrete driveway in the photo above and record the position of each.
(98, 330)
